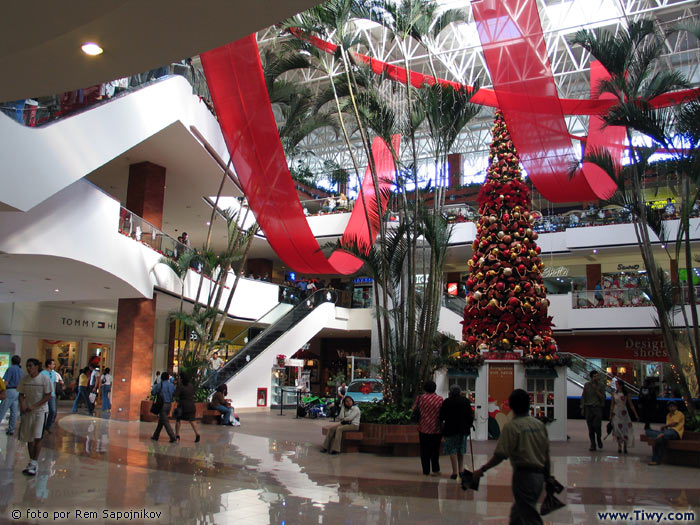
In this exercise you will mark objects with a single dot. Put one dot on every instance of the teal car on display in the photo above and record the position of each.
(365, 390)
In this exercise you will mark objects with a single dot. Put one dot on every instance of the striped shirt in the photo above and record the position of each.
(429, 408)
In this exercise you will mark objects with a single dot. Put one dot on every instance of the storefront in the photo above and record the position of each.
(70, 336)
(634, 357)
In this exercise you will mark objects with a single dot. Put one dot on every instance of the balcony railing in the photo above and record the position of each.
(624, 297)
(143, 231)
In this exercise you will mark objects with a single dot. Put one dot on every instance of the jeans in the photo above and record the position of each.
(106, 403)
(10, 402)
(430, 451)
(82, 394)
(52, 412)
(594, 418)
(527, 487)
(226, 411)
(657, 453)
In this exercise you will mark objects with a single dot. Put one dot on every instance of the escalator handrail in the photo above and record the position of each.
(309, 303)
(591, 366)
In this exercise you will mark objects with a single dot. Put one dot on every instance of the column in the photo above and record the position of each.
(593, 275)
(454, 166)
(146, 192)
(136, 318)
(133, 359)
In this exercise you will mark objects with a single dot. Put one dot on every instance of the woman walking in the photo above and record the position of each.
(82, 395)
(185, 402)
(457, 418)
(620, 418)
(428, 408)
(106, 382)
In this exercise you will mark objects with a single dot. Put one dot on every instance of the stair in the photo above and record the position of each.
(268, 336)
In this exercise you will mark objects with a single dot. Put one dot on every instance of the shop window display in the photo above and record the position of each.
(541, 397)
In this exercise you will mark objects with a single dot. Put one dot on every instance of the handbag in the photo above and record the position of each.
(468, 481)
(92, 396)
(177, 412)
(551, 502)
(415, 415)
(157, 405)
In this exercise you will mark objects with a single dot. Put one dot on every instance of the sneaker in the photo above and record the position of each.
(30, 470)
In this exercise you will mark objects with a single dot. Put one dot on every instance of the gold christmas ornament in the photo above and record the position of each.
(507, 271)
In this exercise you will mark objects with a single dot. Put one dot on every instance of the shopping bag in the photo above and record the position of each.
(92, 396)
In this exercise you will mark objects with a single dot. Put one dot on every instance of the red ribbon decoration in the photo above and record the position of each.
(235, 78)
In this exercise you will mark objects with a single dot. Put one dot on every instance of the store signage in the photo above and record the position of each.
(647, 349)
(87, 323)
(630, 267)
(363, 280)
(555, 271)
(501, 356)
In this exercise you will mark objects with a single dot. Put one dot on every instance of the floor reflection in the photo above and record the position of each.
(232, 475)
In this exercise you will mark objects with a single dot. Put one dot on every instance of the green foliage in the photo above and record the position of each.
(337, 379)
(386, 413)
(201, 394)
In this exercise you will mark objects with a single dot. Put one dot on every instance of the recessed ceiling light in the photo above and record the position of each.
(208, 223)
(56, 290)
(91, 48)
(595, 251)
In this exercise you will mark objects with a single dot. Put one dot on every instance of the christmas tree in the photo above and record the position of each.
(507, 304)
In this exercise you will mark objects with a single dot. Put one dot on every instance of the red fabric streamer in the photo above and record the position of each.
(487, 97)
(236, 83)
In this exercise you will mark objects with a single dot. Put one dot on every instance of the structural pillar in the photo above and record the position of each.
(593, 275)
(136, 318)
(454, 166)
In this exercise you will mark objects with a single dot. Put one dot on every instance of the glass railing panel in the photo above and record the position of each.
(48, 109)
(144, 232)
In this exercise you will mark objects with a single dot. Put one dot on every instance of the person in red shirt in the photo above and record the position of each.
(429, 431)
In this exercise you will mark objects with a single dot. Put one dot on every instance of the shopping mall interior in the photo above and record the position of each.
(244, 180)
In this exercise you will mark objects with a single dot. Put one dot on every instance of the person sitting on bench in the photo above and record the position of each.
(349, 422)
(223, 405)
(673, 429)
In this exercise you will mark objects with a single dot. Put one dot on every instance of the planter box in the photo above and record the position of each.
(145, 411)
(393, 440)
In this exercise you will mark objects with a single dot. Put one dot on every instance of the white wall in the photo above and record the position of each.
(77, 145)
(242, 387)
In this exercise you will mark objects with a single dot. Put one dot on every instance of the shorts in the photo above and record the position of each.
(31, 426)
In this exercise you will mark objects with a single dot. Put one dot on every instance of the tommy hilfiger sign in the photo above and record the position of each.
(86, 323)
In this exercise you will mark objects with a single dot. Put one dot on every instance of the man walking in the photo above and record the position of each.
(164, 389)
(12, 377)
(592, 404)
(50, 372)
(524, 440)
(34, 395)
(94, 387)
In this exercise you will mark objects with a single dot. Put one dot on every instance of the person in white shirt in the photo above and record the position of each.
(215, 364)
(106, 388)
(94, 387)
(34, 394)
(349, 422)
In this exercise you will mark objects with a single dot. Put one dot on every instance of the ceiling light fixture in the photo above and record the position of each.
(56, 290)
(91, 48)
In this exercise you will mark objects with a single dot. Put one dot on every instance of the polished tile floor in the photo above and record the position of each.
(270, 470)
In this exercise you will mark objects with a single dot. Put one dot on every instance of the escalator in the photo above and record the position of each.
(454, 303)
(280, 326)
(578, 373)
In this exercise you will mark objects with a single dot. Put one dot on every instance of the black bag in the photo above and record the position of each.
(415, 415)
(177, 413)
(551, 502)
(157, 405)
(468, 481)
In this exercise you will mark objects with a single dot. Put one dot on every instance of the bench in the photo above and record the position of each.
(351, 440)
(211, 417)
(405, 443)
(684, 451)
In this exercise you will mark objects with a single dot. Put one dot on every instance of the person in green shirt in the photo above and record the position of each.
(525, 441)
(592, 404)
